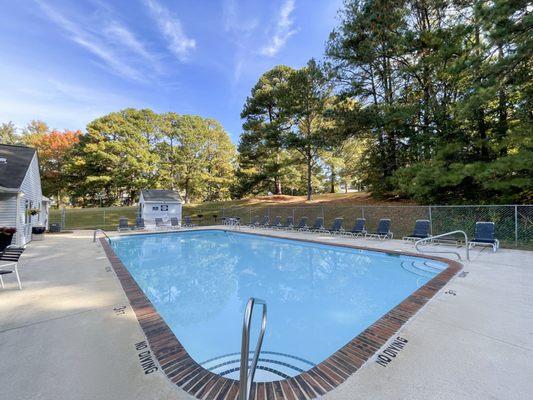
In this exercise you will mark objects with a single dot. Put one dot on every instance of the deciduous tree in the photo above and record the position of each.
(8, 133)
(53, 149)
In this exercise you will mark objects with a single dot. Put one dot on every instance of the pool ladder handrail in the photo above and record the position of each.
(431, 238)
(247, 372)
(100, 231)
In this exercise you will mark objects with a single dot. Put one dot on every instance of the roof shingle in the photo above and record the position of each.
(160, 195)
(18, 160)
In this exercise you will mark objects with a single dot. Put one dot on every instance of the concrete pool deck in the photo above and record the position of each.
(67, 336)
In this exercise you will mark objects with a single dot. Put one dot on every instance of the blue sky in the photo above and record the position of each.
(68, 62)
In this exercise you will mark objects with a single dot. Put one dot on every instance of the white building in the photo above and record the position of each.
(22, 204)
(156, 203)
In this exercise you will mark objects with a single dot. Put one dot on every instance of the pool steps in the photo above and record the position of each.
(271, 365)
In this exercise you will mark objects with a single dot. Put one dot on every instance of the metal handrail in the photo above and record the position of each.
(431, 238)
(100, 231)
(247, 373)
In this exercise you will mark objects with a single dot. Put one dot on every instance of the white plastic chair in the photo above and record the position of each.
(5, 272)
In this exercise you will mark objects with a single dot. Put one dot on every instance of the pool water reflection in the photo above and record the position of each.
(319, 296)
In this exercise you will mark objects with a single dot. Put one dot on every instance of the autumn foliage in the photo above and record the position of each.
(53, 148)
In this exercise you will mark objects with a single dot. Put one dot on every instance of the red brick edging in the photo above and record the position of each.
(187, 374)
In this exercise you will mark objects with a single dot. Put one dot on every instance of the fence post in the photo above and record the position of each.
(63, 218)
(430, 221)
(293, 216)
(104, 218)
(322, 210)
(515, 226)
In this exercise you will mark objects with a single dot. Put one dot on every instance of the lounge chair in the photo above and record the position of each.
(123, 224)
(139, 223)
(159, 223)
(358, 229)
(318, 226)
(277, 223)
(233, 221)
(175, 223)
(336, 227)
(421, 230)
(12, 249)
(484, 236)
(255, 222)
(188, 223)
(383, 231)
(302, 225)
(10, 258)
(264, 222)
(288, 225)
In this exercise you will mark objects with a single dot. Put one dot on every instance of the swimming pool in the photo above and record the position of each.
(319, 296)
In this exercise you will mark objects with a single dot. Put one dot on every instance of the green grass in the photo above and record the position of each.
(207, 213)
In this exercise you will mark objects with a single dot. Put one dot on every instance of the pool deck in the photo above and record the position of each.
(67, 335)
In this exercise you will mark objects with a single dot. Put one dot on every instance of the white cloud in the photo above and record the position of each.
(233, 20)
(282, 31)
(96, 45)
(178, 42)
(119, 33)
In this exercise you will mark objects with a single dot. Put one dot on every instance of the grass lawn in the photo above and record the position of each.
(336, 204)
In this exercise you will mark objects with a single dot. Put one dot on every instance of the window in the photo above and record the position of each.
(164, 207)
(155, 208)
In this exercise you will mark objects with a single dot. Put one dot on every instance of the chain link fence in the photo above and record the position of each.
(514, 223)
(92, 218)
(107, 217)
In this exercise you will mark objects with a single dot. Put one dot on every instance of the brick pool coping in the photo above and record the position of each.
(187, 374)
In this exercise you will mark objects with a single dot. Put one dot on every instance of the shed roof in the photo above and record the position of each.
(161, 195)
(14, 162)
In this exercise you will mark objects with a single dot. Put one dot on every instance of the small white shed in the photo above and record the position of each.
(157, 203)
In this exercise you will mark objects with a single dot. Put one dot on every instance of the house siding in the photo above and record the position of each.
(8, 209)
(31, 188)
(149, 214)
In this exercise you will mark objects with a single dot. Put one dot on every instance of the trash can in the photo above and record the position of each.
(37, 233)
(55, 227)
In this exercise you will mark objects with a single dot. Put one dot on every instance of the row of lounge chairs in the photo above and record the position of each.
(159, 223)
(358, 230)
(484, 231)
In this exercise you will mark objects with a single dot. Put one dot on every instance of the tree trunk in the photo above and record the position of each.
(502, 125)
(332, 180)
(309, 173)
(277, 185)
(482, 129)
(479, 113)
(187, 200)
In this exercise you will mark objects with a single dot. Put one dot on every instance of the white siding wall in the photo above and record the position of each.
(31, 188)
(149, 214)
(8, 210)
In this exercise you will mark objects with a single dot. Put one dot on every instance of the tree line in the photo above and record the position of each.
(429, 100)
(422, 99)
(129, 150)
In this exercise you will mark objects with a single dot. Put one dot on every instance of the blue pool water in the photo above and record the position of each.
(319, 296)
